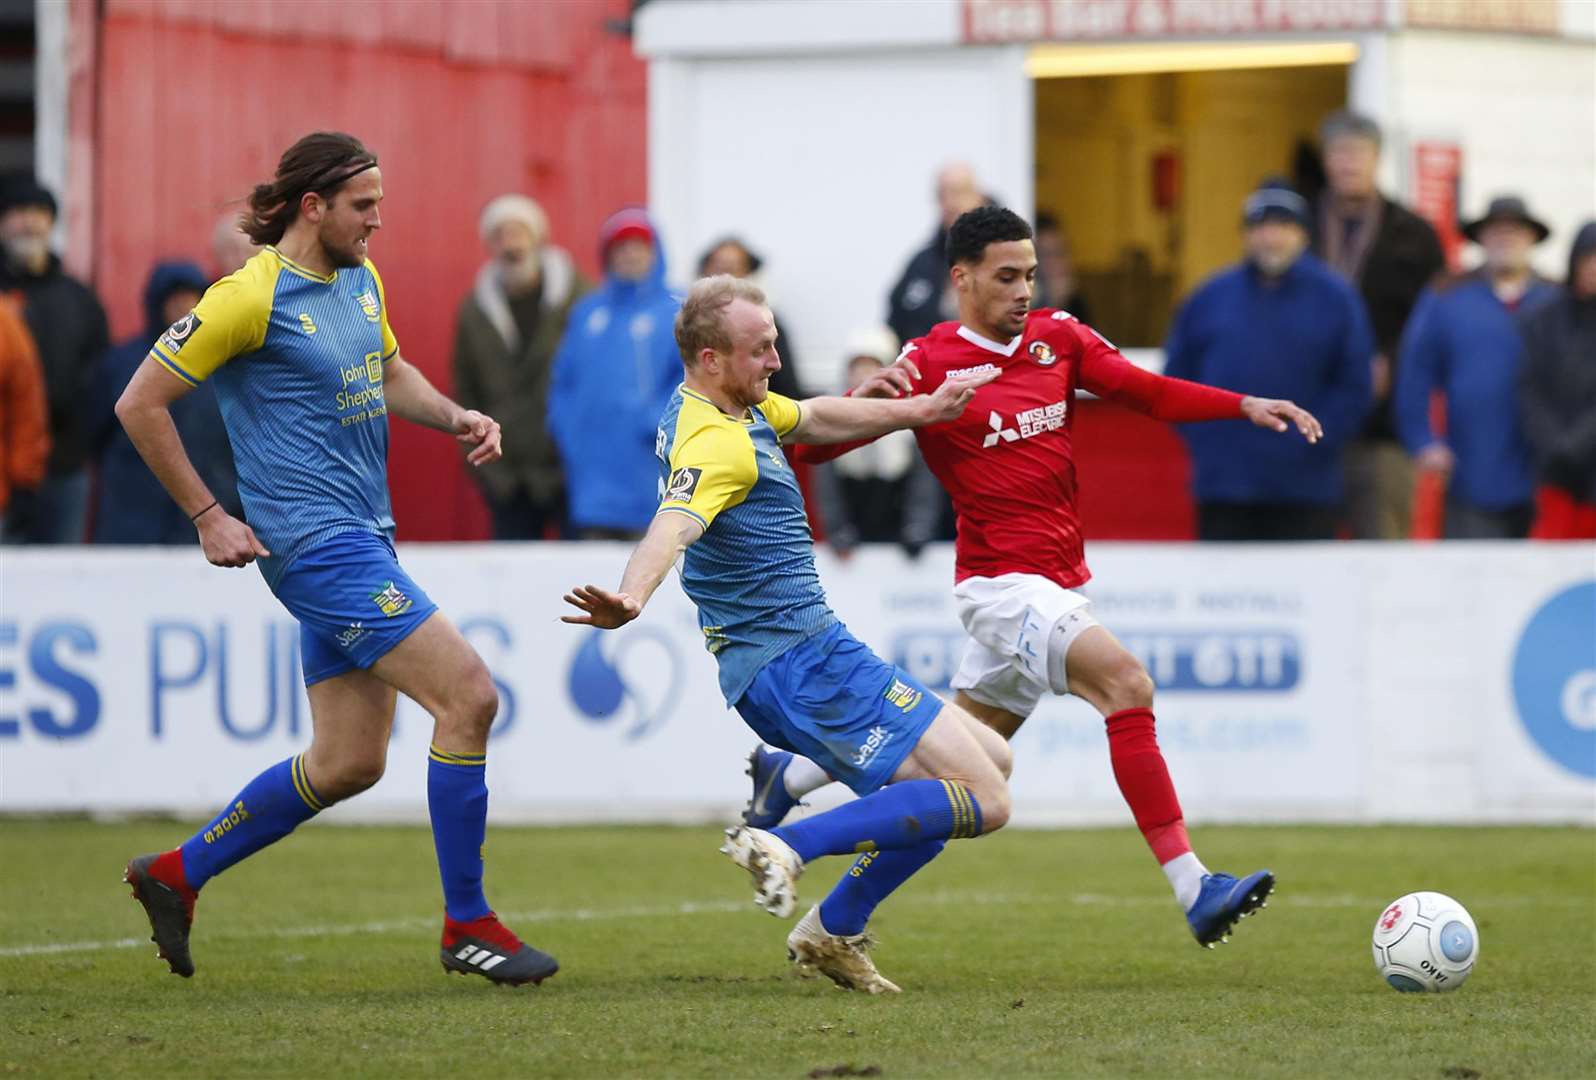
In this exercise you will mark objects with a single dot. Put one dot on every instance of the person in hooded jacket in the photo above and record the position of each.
(615, 369)
(1557, 399)
(131, 506)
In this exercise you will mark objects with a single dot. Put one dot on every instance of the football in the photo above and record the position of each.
(1425, 941)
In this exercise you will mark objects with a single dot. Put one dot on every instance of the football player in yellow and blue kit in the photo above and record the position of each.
(306, 370)
(926, 771)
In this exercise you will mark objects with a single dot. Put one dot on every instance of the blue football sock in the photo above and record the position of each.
(899, 816)
(869, 881)
(268, 809)
(457, 799)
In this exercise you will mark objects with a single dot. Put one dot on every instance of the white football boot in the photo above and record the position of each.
(775, 867)
(844, 960)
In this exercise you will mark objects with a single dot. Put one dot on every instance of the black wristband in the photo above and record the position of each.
(202, 513)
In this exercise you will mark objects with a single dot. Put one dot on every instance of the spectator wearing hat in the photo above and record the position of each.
(1558, 399)
(1389, 254)
(130, 505)
(731, 256)
(881, 492)
(24, 417)
(69, 329)
(1279, 324)
(614, 371)
(1464, 342)
(506, 334)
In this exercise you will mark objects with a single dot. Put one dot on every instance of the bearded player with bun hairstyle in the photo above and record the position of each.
(306, 371)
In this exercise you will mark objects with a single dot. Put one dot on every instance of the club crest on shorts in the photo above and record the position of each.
(178, 333)
(903, 695)
(391, 600)
(682, 484)
(1043, 353)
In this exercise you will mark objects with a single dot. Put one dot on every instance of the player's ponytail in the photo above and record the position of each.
(321, 162)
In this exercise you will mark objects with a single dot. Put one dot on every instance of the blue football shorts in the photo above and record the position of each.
(841, 706)
(354, 603)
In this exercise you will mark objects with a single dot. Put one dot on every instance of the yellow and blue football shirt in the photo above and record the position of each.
(297, 362)
(752, 574)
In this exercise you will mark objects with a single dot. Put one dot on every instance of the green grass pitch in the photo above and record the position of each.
(1024, 954)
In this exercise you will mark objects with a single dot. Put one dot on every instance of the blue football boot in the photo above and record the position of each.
(770, 801)
(1223, 901)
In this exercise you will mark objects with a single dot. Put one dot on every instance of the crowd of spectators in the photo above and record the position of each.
(1482, 382)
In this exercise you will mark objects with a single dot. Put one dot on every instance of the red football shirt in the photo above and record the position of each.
(1007, 462)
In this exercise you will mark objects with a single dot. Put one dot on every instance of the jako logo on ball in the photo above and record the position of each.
(1554, 679)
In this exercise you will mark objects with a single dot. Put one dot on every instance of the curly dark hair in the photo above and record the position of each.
(975, 229)
(322, 162)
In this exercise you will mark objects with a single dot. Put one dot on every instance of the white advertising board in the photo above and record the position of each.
(1333, 682)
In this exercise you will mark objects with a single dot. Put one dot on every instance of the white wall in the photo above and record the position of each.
(1330, 682)
(1523, 110)
(825, 164)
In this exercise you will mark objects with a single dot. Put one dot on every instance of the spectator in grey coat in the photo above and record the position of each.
(1389, 254)
(506, 334)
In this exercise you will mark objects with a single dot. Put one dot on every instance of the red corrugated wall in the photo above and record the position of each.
(462, 101)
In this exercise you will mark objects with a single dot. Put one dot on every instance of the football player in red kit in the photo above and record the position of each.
(1008, 465)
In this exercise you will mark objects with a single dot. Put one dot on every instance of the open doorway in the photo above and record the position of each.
(1145, 154)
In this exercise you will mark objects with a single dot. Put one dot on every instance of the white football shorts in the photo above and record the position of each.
(1010, 620)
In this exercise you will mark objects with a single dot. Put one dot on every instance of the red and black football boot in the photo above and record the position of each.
(486, 947)
(160, 885)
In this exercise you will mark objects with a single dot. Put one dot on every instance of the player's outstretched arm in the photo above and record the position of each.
(1106, 373)
(145, 411)
(1278, 415)
(410, 396)
(669, 535)
(838, 419)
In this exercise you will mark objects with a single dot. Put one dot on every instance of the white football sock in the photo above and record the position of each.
(1185, 874)
(803, 776)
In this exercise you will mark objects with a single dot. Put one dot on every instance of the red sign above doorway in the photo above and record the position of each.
(989, 22)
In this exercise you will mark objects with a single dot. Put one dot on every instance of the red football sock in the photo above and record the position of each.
(168, 868)
(1143, 779)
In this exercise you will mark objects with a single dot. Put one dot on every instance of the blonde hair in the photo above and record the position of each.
(701, 323)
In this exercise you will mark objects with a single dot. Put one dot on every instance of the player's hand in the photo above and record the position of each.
(228, 541)
(481, 434)
(952, 396)
(1437, 457)
(1280, 415)
(889, 382)
(605, 610)
(906, 365)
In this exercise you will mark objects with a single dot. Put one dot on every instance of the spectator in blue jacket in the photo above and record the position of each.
(132, 507)
(1279, 324)
(614, 370)
(1463, 341)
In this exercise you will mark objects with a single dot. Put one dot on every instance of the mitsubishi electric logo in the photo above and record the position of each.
(998, 432)
(1026, 424)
